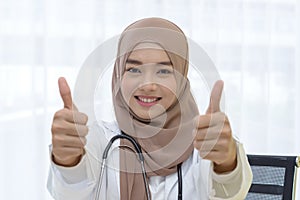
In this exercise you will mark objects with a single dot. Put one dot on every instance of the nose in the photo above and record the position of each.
(148, 81)
(150, 86)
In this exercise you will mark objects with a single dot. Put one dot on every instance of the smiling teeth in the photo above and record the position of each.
(146, 100)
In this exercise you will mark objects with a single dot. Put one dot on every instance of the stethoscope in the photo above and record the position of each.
(142, 161)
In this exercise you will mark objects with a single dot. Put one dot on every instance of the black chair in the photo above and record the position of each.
(274, 177)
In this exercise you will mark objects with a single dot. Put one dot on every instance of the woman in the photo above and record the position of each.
(153, 104)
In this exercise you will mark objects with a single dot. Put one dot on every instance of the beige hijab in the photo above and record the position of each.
(166, 140)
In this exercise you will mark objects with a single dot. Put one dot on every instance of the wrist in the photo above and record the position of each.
(71, 162)
(226, 166)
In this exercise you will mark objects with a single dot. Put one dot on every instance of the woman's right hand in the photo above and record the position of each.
(68, 129)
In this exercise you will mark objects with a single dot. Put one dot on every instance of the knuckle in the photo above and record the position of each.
(59, 114)
(85, 118)
(56, 115)
(85, 130)
(65, 113)
(83, 141)
(57, 127)
(76, 117)
(54, 128)
(55, 139)
(80, 118)
(227, 132)
(196, 121)
(55, 145)
(75, 129)
(81, 130)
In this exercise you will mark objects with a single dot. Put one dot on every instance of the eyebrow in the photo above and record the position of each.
(137, 62)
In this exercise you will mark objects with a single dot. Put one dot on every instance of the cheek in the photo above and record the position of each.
(128, 86)
(170, 96)
(170, 86)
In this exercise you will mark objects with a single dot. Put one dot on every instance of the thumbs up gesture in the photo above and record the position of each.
(68, 130)
(213, 136)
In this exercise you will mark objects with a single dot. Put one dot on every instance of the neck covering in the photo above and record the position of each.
(165, 140)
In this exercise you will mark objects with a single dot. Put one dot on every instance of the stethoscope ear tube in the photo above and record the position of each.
(140, 155)
(142, 161)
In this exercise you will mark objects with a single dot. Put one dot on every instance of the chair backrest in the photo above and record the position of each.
(274, 177)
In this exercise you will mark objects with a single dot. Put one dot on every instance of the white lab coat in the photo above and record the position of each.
(198, 178)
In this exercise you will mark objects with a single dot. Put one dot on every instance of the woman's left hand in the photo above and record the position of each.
(213, 136)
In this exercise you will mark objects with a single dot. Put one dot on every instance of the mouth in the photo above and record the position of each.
(147, 100)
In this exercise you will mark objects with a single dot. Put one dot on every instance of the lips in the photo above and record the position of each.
(147, 100)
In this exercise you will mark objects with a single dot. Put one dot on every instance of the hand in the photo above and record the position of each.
(213, 137)
(68, 130)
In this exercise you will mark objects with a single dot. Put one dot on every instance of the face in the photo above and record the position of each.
(148, 83)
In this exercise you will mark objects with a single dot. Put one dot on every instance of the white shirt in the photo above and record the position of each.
(199, 181)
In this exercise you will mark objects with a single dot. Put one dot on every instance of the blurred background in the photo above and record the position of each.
(255, 45)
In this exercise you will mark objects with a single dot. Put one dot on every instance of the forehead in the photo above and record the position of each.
(149, 53)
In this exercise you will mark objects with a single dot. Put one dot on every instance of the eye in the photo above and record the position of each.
(164, 71)
(133, 70)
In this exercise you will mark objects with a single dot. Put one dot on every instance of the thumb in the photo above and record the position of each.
(215, 97)
(65, 93)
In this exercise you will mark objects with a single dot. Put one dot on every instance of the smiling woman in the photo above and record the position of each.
(182, 154)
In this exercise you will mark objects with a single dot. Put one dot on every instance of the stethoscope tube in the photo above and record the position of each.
(142, 161)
